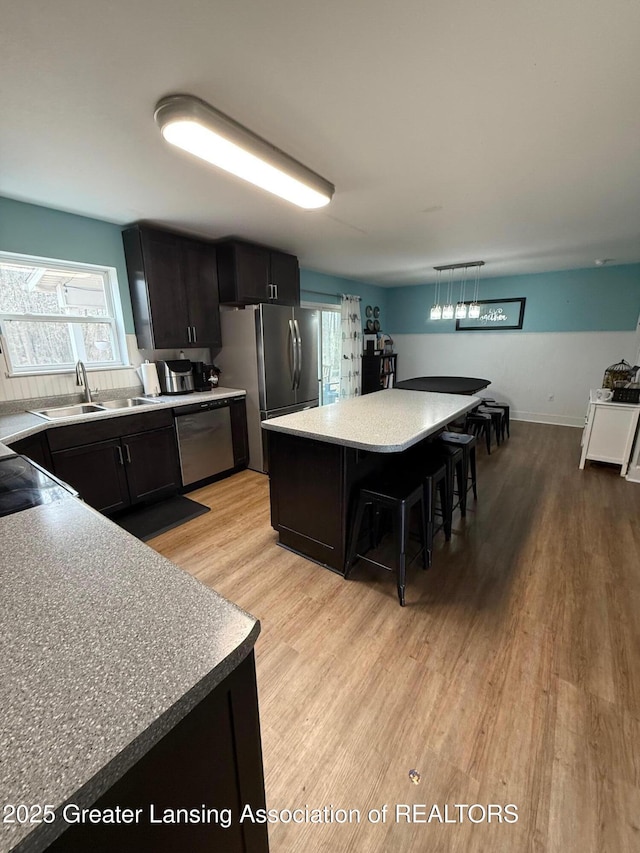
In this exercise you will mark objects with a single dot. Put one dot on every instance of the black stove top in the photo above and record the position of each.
(23, 485)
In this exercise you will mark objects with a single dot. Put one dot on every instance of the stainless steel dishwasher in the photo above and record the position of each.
(205, 439)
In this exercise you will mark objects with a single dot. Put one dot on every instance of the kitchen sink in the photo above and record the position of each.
(69, 411)
(61, 412)
(130, 403)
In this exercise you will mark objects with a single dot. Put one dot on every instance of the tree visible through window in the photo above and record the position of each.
(55, 314)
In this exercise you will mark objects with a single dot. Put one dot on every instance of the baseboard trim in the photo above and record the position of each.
(555, 420)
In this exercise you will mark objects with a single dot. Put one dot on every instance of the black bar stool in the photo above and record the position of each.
(490, 404)
(478, 424)
(398, 495)
(453, 458)
(497, 419)
(467, 443)
(435, 484)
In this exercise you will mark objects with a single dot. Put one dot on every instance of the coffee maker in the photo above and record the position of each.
(201, 373)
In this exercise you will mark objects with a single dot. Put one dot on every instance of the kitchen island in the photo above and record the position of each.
(319, 457)
(125, 684)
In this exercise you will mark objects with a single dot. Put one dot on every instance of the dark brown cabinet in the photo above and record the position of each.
(173, 282)
(239, 434)
(249, 274)
(151, 464)
(312, 513)
(97, 472)
(114, 463)
(213, 756)
(35, 447)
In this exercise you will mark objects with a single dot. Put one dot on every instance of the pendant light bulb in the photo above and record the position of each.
(447, 310)
(436, 309)
(474, 308)
(461, 307)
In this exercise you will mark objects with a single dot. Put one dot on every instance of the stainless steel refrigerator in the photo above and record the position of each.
(272, 352)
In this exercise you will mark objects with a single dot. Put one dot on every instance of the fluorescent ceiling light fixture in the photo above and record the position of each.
(196, 127)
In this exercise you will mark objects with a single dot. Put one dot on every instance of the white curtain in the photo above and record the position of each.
(351, 324)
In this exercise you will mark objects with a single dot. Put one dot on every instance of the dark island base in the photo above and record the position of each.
(213, 757)
(313, 486)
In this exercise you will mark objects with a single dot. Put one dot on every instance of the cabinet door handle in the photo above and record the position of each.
(189, 333)
(195, 337)
(119, 452)
(275, 291)
(128, 453)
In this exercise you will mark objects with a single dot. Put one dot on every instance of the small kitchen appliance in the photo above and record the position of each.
(176, 377)
(200, 376)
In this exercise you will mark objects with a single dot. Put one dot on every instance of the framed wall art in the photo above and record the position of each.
(495, 315)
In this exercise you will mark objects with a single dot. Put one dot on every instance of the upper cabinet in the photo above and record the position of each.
(249, 274)
(174, 289)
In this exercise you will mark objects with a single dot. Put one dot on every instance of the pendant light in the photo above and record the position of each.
(461, 307)
(436, 308)
(447, 310)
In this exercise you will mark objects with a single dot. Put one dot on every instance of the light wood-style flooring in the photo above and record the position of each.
(511, 676)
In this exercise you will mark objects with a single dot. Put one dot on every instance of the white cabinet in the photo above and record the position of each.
(609, 434)
(633, 474)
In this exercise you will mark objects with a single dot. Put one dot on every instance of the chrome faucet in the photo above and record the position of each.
(81, 379)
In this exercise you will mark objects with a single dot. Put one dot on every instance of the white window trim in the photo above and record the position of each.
(114, 305)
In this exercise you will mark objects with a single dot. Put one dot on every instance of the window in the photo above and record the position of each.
(329, 351)
(53, 314)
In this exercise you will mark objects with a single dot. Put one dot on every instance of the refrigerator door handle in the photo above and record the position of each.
(293, 355)
(299, 345)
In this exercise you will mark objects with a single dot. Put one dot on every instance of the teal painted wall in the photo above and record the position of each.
(595, 299)
(32, 230)
(585, 300)
(312, 284)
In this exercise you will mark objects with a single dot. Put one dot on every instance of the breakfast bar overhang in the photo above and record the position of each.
(319, 457)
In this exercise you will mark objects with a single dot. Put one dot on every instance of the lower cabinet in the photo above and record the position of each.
(239, 432)
(136, 459)
(34, 447)
(151, 464)
(609, 433)
(208, 767)
(96, 472)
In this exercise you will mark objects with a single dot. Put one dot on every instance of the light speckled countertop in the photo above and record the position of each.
(385, 422)
(22, 424)
(106, 645)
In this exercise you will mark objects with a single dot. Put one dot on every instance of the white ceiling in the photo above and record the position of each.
(501, 130)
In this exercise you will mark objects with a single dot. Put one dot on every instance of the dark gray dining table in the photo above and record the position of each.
(444, 384)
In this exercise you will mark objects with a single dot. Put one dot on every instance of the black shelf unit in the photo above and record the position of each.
(378, 372)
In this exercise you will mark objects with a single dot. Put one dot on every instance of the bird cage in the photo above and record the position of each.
(618, 375)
